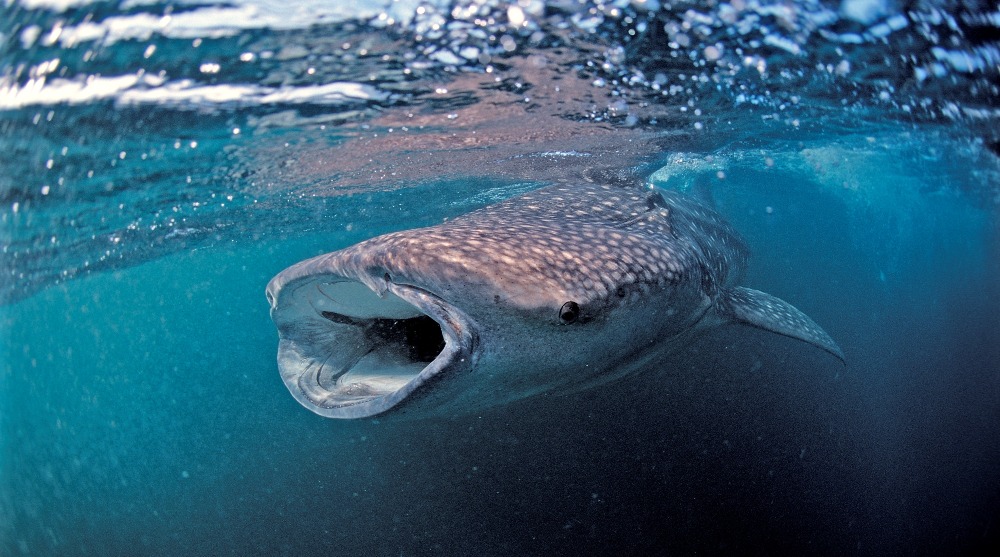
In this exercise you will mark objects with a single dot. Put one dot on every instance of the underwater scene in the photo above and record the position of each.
(633, 277)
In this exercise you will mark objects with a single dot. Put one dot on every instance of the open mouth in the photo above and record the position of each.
(346, 352)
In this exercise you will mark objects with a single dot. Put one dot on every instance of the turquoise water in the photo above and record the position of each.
(177, 156)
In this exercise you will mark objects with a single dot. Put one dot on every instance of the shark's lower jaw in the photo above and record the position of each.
(346, 352)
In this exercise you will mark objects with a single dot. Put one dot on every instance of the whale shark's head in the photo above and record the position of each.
(555, 289)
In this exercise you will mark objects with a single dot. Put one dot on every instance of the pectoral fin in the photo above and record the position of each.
(767, 312)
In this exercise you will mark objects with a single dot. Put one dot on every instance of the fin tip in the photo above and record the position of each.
(764, 311)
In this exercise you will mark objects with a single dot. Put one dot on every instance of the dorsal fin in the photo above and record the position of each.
(753, 307)
(616, 176)
(691, 174)
(700, 188)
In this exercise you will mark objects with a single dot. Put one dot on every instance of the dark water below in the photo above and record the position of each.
(141, 411)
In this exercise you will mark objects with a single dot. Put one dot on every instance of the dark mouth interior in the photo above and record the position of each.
(419, 338)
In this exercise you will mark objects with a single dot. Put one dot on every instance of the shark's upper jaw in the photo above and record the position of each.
(347, 352)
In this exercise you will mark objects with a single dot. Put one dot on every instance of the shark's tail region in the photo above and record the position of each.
(753, 307)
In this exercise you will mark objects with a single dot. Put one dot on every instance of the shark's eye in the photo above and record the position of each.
(569, 312)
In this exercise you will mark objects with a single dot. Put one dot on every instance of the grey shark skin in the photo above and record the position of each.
(562, 288)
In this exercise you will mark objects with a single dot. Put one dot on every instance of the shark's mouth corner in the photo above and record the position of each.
(347, 352)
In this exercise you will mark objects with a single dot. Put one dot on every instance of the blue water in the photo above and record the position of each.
(160, 162)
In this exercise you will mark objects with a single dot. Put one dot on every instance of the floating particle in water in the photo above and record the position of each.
(864, 11)
(447, 57)
(469, 53)
(515, 15)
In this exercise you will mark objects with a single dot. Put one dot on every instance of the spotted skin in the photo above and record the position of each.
(603, 272)
(598, 245)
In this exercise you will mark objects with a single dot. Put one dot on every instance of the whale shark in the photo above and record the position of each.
(563, 288)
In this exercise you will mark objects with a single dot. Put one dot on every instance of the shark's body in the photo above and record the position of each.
(565, 287)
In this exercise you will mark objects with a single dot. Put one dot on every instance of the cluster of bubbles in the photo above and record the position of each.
(922, 59)
(928, 60)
